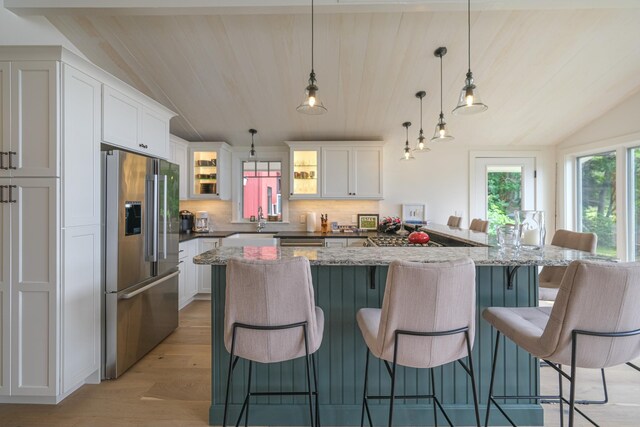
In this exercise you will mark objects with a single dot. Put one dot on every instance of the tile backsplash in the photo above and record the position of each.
(338, 210)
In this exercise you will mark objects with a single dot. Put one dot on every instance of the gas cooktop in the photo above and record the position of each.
(387, 241)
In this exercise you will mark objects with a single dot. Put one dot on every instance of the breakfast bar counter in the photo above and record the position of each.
(348, 279)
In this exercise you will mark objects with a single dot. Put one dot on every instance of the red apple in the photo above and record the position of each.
(419, 237)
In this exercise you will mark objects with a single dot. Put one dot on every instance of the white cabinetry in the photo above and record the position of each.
(30, 119)
(204, 271)
(51, 127)
(344, 170)
(179, 156)
(129, 124)
(209, 170)
(188, 282)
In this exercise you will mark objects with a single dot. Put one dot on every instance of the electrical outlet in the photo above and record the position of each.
(354, 219)
(303, 219)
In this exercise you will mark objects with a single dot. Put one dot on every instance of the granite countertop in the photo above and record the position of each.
(282, 235)
(462, 234)
(485, 256)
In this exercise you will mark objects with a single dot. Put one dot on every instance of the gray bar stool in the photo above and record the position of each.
(550, 277)
(270, 316)
(454, 221)
(427, 320)
(478, 224)
(594, 323)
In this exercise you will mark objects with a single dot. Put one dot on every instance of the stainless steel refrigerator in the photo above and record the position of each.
(141, 225)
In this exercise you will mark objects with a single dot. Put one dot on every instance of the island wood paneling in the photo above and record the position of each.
(341, 292)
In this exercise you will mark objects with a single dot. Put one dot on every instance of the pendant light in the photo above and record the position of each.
(406, 155)
(252, 152)
(421, 146)
(469, 100)
(311, 103)
(441, 133)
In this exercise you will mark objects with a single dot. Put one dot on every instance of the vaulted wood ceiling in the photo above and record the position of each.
(543, 73)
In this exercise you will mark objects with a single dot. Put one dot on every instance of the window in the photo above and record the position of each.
(261, 189)
(634, 203)
(596, 204)
(504, 195)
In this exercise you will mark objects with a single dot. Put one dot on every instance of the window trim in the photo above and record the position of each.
(271, 154)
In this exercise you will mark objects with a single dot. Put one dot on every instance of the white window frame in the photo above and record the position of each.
(568, 186)
(267, 154)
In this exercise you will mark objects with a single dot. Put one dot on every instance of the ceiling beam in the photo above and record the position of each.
(258, 7)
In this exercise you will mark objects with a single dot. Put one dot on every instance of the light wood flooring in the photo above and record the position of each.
(170, 387)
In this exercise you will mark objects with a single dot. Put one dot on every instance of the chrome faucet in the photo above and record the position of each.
(261, 221)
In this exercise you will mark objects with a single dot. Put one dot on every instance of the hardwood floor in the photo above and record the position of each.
(170, 387)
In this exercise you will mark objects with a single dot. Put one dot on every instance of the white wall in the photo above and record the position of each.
(31, 30)
(440, 179)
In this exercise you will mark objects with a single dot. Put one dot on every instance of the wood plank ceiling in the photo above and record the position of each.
(543, 73)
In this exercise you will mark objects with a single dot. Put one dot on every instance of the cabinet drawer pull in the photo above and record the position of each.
(2, 200)
(143, 146)
(11, 154)
(11, 187)
(2, 154)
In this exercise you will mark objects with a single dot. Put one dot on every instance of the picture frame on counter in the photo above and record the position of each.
(368, 221)
(414, 213)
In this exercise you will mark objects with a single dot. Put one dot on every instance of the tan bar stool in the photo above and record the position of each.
(270, 316)
(594, 323)
(427, 320)
(454, 221)
(480, 225)
(550, 277)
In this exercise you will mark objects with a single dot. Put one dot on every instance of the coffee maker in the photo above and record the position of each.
(186, 222)
(202, 222)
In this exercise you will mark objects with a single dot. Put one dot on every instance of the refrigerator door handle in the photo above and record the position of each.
(165, 218)
(155, 219)
(149, 286)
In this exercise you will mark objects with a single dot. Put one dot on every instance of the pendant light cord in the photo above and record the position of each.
(420, 116)
(440, 84)
(312, 38)
(468, 28)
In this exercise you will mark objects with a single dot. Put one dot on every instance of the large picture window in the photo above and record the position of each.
(634, 203)
(596, 192)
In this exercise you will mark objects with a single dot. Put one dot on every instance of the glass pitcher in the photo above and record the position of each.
(531, 226)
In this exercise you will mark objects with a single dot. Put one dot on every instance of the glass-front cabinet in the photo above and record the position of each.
(305, 168)
(210, 165)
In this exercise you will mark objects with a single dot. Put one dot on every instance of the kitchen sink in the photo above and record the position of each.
(250, 239)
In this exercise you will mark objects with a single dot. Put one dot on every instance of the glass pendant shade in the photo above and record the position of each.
(311, 103)
(406, 154)
(441, 132)
(469, 101)
(421, 145)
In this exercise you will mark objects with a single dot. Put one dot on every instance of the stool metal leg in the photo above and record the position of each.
(560, 394)
(433, 400)
(493, 374)
(232, 364)
(246, 417)
(309, 392)
(365, 404)
(315, 381)
(473, 379)
(393, 380)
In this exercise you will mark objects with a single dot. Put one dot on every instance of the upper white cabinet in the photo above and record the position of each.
(343, 170)
(209, 170)
(29, 132)
(179, 154)
(129, 124)
(81, 148)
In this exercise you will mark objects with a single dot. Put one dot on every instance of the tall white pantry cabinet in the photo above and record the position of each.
(50, 216)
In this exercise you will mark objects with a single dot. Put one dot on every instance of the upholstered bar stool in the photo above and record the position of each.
(270, 316)
(594, 323)
(454, 221)
(550, 277)
(480, 225)
(427, 320)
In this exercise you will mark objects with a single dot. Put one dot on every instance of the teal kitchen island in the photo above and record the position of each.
(348, 279)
